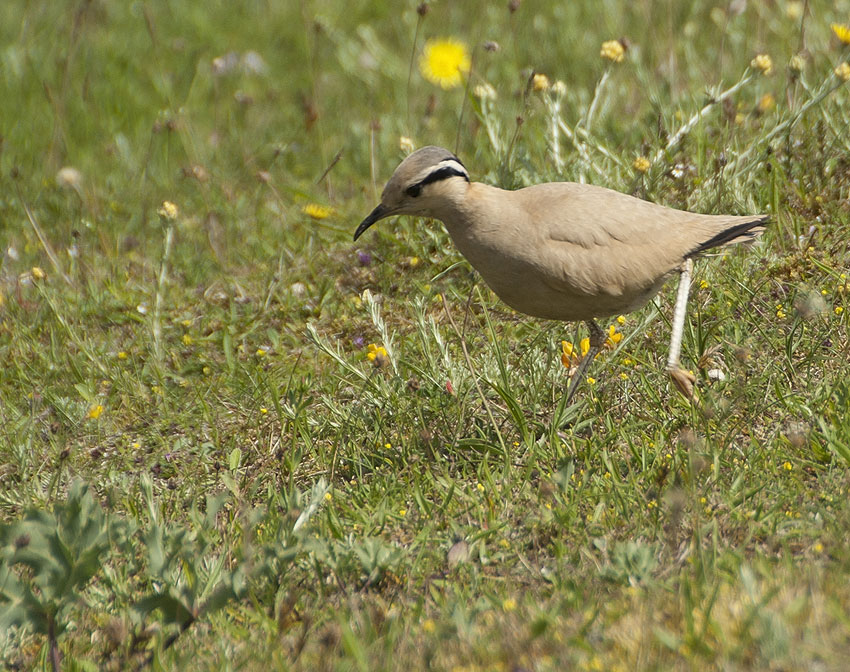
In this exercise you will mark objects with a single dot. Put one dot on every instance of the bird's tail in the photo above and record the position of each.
(739, 230)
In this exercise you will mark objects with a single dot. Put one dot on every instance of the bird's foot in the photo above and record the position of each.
(684, 381)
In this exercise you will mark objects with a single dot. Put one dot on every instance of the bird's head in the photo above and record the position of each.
(419, 186)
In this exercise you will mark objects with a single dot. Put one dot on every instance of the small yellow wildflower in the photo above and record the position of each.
(570, 355)
(842, 32)
(763, 63)
(187, 339)
(444, 62)
(429, 626)
(591, 381)
(797, 63)
(480, 487)
(388, 446)
(843, 71)
(624, 375)
(122, 355)
(168, 211)
(402, 512)
(95, 412)
(413, 262)
(405, 144)
(377, 354)
(38, 273)
(509, 604)
(641, 164)
(766, 103)
(263, 410)
(621, 320)
(703, 284)
(818, 547)
(328, 496)
(839, 310)
(540, 82)
(317, 211)
(614, 337)
(262, 352)
(613, 50)
(787, 466)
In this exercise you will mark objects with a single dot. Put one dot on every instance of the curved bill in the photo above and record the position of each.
(378, 213)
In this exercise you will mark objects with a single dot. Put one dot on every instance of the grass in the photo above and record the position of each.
(201, 467)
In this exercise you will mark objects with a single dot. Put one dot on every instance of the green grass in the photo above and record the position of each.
(451, 514)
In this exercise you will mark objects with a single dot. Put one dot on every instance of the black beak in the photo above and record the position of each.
(378, 213)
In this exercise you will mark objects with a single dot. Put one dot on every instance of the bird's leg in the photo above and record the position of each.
(683, 380)
(597, 339)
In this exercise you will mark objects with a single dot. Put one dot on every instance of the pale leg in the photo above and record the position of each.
(683, 380)
(597, 339)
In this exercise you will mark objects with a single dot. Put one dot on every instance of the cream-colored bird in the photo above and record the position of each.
(561, 250)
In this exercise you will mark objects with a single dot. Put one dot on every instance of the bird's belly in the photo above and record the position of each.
(528, 291)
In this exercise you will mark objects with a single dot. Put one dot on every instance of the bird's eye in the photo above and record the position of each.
(414, 190)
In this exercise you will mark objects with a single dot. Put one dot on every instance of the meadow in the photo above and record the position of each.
(231, 438)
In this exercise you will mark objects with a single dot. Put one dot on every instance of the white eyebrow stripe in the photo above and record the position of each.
(448, 163)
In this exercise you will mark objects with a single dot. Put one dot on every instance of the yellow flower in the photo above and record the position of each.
(797, 63)
(763, 63)
(264, 410)
(539, 82)
(614, 336)
(262, 351)
(839, 310)
(787, 466)
(509, 604)
(621, 319)
(766, 103)
(794, 10)
(168, 211)
(377, 354)
(641, 164)
(122, 355)
(328, 496)
(428, 625)
(38, 273)
(843, 72)
(444, 62)
(842, 32)
(613, 50)
(187, 339)
(317, 211)
(591, 381)
(95, 412)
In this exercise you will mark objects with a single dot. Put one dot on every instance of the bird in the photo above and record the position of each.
(563, 251)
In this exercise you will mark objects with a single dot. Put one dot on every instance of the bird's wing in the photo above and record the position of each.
(603, 241)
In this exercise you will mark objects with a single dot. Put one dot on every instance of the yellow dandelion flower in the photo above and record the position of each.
(264, 410)
(38, 273)
(328, 496)
(591, 381)
(641, 164)
(613, 50)
(317, 211)
(766, 103)
(763, 63)
(787, 466)
(509, 604)
(402, 512)
(540, 82)
(843, 72)
(444, 62)
(187, 339)
(95, 412)
(168, 211)
(839, 310)
(842, 32)
(122, 355)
